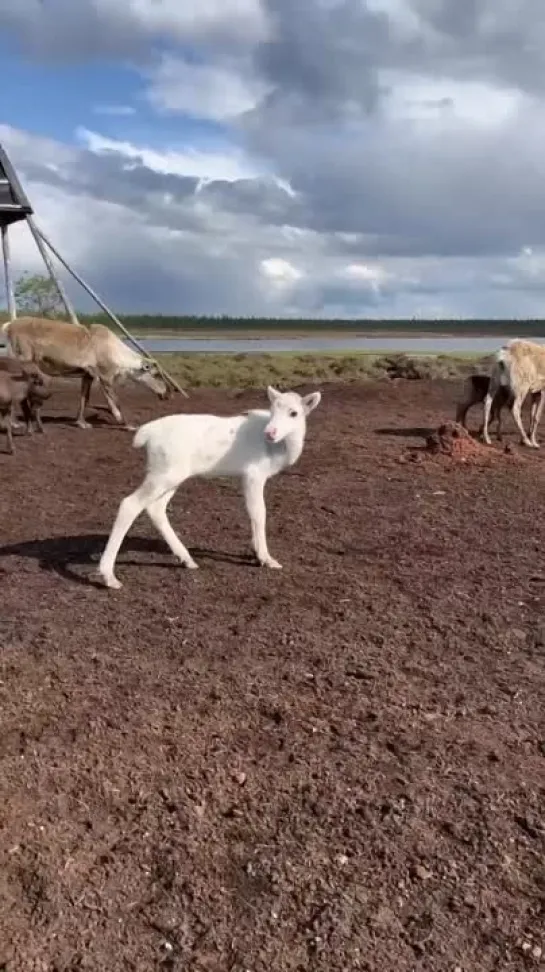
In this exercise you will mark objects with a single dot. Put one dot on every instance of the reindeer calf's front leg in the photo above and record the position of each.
(255, 504)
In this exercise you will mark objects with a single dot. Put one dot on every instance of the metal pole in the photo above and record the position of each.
(107, 311)
(49, 264)
(7, 274)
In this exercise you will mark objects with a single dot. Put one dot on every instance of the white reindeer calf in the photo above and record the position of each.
(253, 446)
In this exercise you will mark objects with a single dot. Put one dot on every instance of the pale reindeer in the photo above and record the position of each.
(475, 391)
(63, 348)
(519, 367)
(253, 447)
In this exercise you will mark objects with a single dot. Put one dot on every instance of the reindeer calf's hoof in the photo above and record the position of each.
(110, 581)
(190, 564)
(271, 564)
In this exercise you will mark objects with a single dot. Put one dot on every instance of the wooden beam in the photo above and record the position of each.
(174, 384)
(10, 297)
(51, 269)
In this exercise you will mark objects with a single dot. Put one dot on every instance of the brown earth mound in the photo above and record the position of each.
(452, 441)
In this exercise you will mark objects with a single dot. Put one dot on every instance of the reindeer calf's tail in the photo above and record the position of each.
(141, 437)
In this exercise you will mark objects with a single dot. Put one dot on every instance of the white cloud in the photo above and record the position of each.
(281, 272)
(245, 19)
(189, 162)
(421, 98)
(206, 91)
(128, 27)
(365, 274)
(381, 157)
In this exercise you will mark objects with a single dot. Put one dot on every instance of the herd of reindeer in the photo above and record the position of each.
(253, 446)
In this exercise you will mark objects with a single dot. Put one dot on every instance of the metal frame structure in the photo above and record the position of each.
(15, 207)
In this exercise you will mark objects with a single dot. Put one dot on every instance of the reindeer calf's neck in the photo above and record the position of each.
(287, 452)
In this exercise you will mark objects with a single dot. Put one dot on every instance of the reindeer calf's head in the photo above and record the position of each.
(288, 413)
(39, 387)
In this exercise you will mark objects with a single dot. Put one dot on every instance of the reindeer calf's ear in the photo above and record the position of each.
(311, 401)
(272, 393)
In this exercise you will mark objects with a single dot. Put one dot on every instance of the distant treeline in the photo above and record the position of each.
(162, 322)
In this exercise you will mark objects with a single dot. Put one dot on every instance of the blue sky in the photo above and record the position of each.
(74, 95)
(254, 157)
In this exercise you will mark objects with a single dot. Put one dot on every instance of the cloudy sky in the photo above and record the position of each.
(338, 158)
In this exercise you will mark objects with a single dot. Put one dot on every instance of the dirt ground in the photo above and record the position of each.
(337, 766)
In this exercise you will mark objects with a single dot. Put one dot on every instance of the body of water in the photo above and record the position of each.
(464, 344)
(409, 345)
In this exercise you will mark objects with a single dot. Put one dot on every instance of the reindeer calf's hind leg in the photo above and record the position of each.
(129, 509)
(157, 512)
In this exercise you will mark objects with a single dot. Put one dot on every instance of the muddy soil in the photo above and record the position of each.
(337, 766)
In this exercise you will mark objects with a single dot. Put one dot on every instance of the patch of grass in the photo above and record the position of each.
(292, 369)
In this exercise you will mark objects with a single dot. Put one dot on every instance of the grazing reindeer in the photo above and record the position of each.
(253, 446)
(519, 367)
(65, 348)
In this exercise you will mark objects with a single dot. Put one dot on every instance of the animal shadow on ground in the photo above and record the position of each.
(418, 432)
(62, 554)
(98, 415)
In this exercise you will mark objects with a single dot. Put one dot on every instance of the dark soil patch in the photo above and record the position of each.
(337, 766)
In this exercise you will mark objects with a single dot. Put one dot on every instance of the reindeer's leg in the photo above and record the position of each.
(8, 425)
(253, 487)
(489, 398)
(113, 404)
(463, 406)
(26, 409)
(495, 414)
(517, 417)
(38, 418)
(157, 512)
(537, 408)
(86, 385)
(130, 508)
(498, 429)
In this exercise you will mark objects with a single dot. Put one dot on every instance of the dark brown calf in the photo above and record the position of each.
(23, 385)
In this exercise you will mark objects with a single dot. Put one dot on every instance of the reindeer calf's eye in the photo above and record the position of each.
(293, 414)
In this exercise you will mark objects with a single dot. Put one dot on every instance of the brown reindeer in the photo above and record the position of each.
(61, 348)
